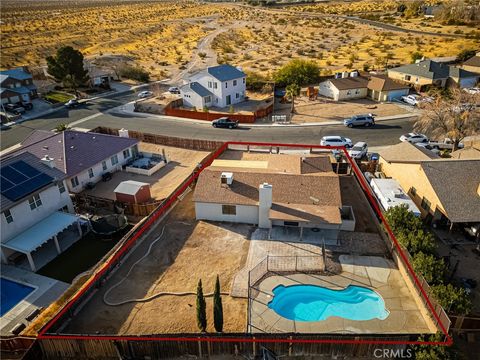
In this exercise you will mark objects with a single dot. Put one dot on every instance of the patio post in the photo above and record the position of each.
(301, 232)
(30, 261)
(57, 245)
(79, 227)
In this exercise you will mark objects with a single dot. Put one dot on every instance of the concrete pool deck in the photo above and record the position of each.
(375, 273)
(46, 291)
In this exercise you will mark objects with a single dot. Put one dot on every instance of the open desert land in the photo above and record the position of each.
(172, 38)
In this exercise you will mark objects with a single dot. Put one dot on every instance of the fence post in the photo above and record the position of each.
(199, 348)
(296, 262)
(254, 347)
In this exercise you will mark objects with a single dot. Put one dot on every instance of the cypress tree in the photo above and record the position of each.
(201, 308)
(217, 308)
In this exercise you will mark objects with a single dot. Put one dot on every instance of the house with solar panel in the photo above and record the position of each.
(38, 221)
(17, 86)
(217, 86)
(85, 158)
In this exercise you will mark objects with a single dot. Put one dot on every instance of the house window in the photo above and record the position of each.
(74, 181)
(114, 160)
(425, 204)
(35, 202)
(348, 92)
(64, 209)
(408, 77)
(208, 99)
(413, 191)
(244, 80)
(357, 91)
(126, 153)
(8, 216)
(61, 187)
(209, 84)
(226, 84)
(90, 173)
(234, 82)
(229, 210)
(237, 95)
(104, 165)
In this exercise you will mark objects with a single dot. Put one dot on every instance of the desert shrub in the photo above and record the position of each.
(134, 73)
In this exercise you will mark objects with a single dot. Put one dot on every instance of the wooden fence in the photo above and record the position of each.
(192, 144)
(465, 324)
(218, 344)
(11, 344)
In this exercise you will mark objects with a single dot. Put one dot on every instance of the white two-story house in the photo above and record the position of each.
(37, 215)
(83, 157)
(217, 86)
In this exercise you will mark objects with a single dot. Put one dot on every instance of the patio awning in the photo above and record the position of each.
(41, 232)
(307, 213)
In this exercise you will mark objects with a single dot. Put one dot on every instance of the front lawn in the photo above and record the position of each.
(58, 97)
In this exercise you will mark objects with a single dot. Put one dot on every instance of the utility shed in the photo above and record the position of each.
(133, 192)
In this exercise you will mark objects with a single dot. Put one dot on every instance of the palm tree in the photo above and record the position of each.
(292, 90)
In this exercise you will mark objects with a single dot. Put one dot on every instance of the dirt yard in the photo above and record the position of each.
(164, 181)
(188, 251)
(325, 109)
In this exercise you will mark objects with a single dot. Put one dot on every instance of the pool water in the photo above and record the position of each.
(316, 303)
(11, 294)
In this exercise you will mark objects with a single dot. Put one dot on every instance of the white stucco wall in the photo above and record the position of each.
(351, 94)
(83, 177)
(213, 212)
(24, 217)
(192, 99)
(326, 89)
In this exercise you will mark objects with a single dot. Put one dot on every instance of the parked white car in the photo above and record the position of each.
(359, 150)
(414, 138)
(145, 94)
(336, 141)
(416, 100)
(473, 91)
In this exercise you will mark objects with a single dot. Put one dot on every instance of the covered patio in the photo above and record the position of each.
(42, 242)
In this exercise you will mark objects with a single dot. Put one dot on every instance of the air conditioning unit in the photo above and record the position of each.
(226, 178)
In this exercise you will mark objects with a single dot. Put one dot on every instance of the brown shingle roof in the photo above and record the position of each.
(406, 153)
(383, 83)
(286, 188)
(473, 61)
(469, 153)
(349, 83)
(456, 183)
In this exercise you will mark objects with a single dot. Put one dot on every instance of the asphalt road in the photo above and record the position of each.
(96, 113)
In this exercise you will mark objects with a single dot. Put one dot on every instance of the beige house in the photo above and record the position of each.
(426, 73)
(445, 190)
(381, 88)
(344, 88)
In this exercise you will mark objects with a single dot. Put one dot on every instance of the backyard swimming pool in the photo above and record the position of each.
(316, 303)
(11, 294)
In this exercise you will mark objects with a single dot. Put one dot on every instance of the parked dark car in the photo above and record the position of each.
(16, 109)
(225, 122)
(27, 105)
(360, 120)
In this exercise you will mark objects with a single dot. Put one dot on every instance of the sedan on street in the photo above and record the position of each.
(225, 122)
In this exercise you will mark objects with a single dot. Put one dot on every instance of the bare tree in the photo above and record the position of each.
(455, 116)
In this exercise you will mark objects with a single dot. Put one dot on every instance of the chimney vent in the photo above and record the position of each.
(47, 160)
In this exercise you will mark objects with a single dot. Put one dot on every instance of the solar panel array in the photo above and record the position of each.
(20, 179)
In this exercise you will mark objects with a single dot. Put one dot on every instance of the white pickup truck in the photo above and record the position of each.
(446, 144)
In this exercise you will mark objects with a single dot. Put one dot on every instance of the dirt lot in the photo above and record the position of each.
(189, 250)
(163, 182)
(325, 109)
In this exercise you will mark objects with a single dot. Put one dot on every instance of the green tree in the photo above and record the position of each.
(67, 67)
(298, 71)
(292, 91)
(201, 308)
(453, 299)
(431, 352)
(217, 307)
(401, 219)
(465, 54)
(417, 241)
(416, 56)
(432, 270)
